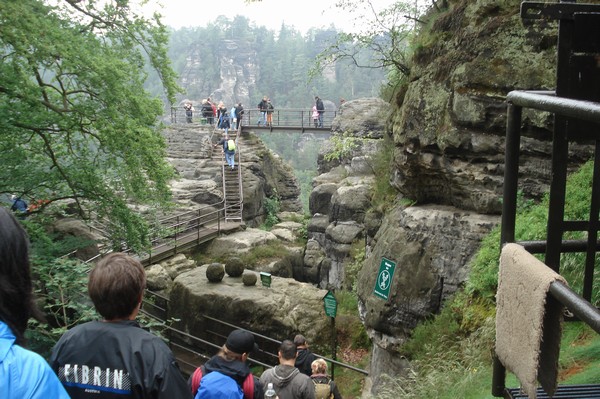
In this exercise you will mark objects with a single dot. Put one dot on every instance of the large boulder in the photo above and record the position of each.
(430, 246)
(287, 308)
(239, 242)
(70, 228)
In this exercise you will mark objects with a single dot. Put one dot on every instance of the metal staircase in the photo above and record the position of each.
(232, 183)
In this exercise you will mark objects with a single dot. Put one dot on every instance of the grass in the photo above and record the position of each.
(262, 254)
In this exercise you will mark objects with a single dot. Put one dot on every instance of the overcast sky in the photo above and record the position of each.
(302, 14)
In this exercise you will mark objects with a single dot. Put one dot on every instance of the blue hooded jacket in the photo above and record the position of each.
(25, 374)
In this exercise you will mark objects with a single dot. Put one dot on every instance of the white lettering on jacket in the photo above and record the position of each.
(95, 376)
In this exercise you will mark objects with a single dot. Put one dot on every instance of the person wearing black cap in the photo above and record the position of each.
(229, 362)
(305, 356)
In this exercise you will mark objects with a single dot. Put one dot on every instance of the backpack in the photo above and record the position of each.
(220, 386)
(323, 390)
(231, 145)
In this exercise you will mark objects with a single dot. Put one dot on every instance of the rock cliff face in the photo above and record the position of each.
(342, 193)
(189, 150)
(447, 129)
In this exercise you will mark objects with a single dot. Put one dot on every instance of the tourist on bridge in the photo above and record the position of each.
(270, 109)
(239, 114)
(232, 117)
(315, 115)
(23, 373)
(207, 111)
(115, 357)
(214, 110)
(189, 111)
(262, 107)
(320, 109)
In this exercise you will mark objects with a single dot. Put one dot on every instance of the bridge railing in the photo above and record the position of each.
(285, 117)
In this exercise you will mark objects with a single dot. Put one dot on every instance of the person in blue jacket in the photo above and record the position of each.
(23, 373)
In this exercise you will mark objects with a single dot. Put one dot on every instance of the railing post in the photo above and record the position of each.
(198, 224)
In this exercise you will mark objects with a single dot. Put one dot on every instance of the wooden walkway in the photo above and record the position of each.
(188, 233)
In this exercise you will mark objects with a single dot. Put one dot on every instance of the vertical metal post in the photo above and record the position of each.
(509, 211)
(511, 173)
(590, 259)
(560, 150)
(334, 346)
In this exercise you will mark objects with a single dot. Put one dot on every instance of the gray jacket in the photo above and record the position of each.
(289, 382)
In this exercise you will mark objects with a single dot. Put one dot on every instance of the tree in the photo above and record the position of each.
(75, 120)
(384, 34)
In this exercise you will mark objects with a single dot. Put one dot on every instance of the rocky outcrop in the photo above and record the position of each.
(448, 130)
(342, 193)
(450, 125)
(286, 308)
(198, 165)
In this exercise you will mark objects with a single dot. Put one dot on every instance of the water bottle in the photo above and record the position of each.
(270, 392)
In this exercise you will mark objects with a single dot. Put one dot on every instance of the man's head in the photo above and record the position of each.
(116, 285)
(240, 342)
(316, 97)
(300, 341)
(287, 351)
(265, 98)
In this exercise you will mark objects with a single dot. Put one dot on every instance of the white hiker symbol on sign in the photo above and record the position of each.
(384, 280)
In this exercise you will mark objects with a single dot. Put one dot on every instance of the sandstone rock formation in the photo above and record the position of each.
(287, 308)
(190, 151)
(448, 130)
(342, 193)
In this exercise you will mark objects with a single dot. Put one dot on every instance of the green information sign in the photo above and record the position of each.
(330, 304)
(265, 279)
(384, 278)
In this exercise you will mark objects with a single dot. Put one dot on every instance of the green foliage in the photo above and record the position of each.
(354, 266)
(343, 146)
(272, 207)
(385, 38)
(384, 195)
(75, 120)
(60, 284)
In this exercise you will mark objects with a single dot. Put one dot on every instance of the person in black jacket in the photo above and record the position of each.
(305, 356)
(115, 358)
(239, 114)
(262, 107)
(320, 109)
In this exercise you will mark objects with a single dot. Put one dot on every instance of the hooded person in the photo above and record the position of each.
(305, 356)
(213, 379)
(287, 380)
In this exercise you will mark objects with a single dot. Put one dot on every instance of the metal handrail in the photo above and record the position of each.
(564, 107)
(300, 118)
